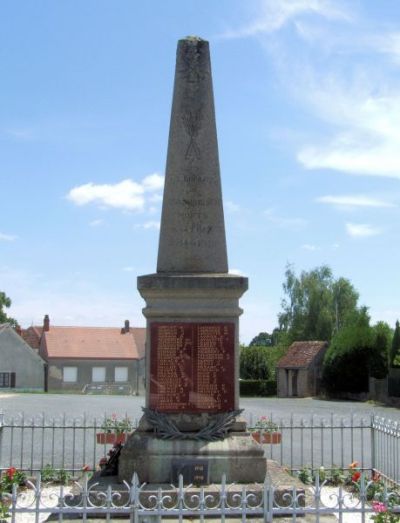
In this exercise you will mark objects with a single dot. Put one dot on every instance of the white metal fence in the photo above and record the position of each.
(30, 443)
(139, 504)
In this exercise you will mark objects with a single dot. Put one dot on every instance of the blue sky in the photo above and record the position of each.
(308, 110)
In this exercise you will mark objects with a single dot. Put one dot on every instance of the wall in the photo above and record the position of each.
(16, 356)
(84, 377)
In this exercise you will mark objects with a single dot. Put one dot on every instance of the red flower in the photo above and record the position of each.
(355, 477)
(11, 472)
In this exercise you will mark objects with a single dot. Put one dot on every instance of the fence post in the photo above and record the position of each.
(373, 457)
(1, 436)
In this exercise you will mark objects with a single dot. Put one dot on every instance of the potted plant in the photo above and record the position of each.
(114, 430)
(266, 431)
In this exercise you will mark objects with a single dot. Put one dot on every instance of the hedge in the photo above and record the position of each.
(257, 387)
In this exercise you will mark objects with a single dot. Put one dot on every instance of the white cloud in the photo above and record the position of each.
(153, 182)
(362, 109)
(148, 225)
(388, 43)
(236, 272)
(309, 247)
(354, 201)
(361, 230)
(7, 237)
(127, 194)
(128, 269)
(96, 223)
(231, 206)
(275, 14)
(294, 224)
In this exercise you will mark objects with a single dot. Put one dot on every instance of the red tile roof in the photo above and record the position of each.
(32, 335)
(301, 354)
(93, 343)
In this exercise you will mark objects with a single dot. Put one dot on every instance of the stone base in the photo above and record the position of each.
(238, 456)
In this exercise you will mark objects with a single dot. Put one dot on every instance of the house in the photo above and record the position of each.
(299, 371)
(20, 366)
(93, 359)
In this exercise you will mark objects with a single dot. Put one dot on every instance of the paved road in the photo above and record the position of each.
(76, 405)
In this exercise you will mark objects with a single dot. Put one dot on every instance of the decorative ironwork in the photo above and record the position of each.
(86, 498)
(216, 429)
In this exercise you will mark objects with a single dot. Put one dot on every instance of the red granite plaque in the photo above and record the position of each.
(192, 367)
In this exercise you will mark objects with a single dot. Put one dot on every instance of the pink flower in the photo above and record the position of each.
(378, 506)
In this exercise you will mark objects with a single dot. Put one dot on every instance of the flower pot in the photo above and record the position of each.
(267, 437)
(110, 438)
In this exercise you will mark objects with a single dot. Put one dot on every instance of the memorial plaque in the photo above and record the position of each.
(192, 367)
(193, 471)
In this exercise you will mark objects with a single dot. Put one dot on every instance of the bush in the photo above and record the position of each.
(257, 388)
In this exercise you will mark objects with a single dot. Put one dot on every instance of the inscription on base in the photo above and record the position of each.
(192, 367)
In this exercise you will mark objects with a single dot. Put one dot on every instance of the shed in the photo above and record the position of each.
(299, 371)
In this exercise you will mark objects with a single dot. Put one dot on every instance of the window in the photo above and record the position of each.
(70, 374)
(98, 374)
(7, 380)
(121, 374)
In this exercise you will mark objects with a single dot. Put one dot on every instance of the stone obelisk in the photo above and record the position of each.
(192, 309)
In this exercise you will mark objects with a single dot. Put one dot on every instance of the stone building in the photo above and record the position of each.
(299, 371)
(93, 359)
(20, 366)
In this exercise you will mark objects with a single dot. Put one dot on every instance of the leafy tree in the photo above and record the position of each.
(315, 304)
(5, 303)
(263, 339)
(347, 360)
(380, 350)
(395, 348)
(259, 362)
(254, 363)
(356, 352)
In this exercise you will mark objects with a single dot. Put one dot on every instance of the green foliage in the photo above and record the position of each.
(112, 424)
(254, 363)
(10, 477)
(315, 304)
(5, 303)
(356, 352)
(258, 363)
(257, 388)
(263, 339)
(50, 474)
(395, 348)
(346, 362)
(379, 357)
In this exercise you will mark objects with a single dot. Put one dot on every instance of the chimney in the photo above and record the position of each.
(126, 328)
(46, 323)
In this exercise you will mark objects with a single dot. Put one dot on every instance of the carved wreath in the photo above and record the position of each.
(216, 430)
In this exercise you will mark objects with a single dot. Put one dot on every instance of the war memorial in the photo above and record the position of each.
(191, 423)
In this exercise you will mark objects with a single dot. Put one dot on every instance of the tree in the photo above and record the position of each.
(346, 364)
(380, 350)
(357, 351)
(315, 305)
(254, 363)
(5, 303)
(395, 348)
(263, 339)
